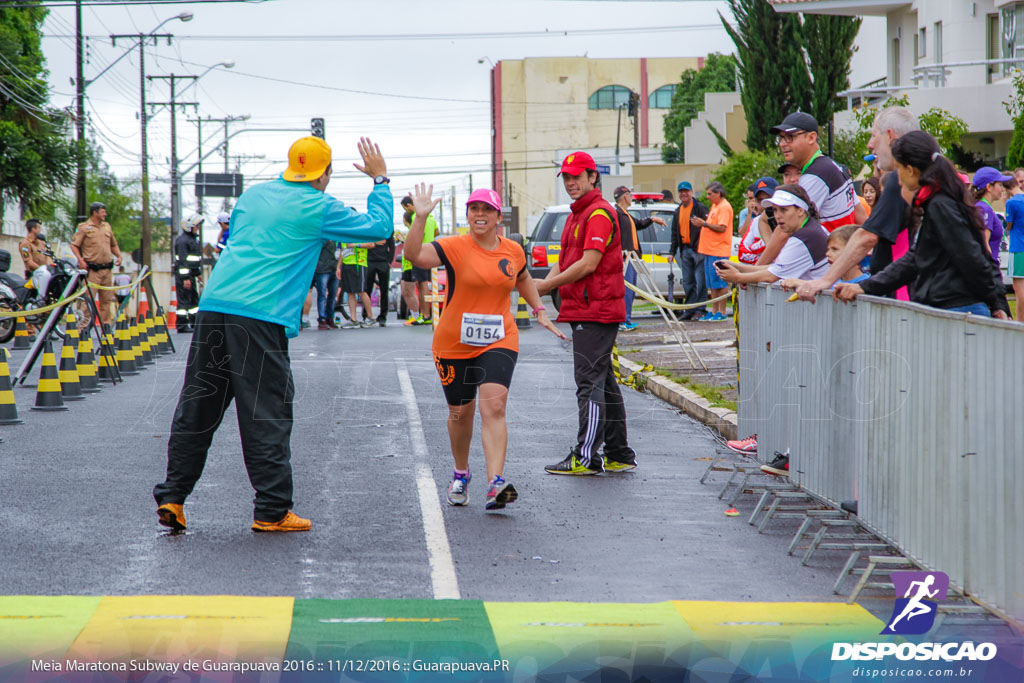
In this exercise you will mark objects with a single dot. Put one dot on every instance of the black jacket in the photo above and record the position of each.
(382, 252)
(699, 211)
(627, 234)
(947, 265)
(188, 255)
(327, 262)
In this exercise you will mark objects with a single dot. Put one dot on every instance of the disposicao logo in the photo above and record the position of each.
(917, 602)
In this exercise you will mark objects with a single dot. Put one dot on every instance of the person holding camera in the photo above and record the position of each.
(762, 222)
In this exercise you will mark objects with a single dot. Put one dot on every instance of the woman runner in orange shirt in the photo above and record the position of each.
(476, 342)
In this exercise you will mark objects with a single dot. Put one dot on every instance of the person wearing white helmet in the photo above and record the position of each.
(224, 221)
(188, 261)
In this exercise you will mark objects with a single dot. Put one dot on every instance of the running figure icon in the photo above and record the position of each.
(915, 607)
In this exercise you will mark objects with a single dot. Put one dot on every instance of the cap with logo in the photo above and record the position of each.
(685, 185)
(488, 197)
(797, 122)
(765, 184)
(621, 190)
(578, 162)
(308, 158)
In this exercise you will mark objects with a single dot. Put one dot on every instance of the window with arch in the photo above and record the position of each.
(661, 98)
(610, 97)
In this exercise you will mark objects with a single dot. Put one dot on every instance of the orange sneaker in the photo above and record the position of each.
(291, 522)
(172, 515)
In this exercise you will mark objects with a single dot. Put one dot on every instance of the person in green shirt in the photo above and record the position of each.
(420, 277)
(351, 273)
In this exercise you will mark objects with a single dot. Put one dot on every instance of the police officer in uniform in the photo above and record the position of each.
(188, 261)
(32, 247)
(95, 247)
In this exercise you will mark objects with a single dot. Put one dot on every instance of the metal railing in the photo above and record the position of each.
(934, 75)
(912, 411)
(872, 93)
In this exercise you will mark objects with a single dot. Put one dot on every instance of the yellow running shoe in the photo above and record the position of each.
(172, 516)
(291, 522)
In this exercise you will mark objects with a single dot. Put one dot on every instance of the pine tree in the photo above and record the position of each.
(717, 75)
(829, 40)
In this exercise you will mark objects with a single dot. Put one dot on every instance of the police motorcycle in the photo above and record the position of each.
(45, 287)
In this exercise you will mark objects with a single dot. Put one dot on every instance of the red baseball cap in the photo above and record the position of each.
(577, 163)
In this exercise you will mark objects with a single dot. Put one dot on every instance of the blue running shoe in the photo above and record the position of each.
(500, 494)
(458, 490)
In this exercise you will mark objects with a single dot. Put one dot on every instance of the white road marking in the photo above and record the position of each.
(442, 568)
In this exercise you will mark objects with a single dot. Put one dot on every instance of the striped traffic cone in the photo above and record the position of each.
(21, 335)
(8, 409)
(125, 357)
(136, 350)
(143, 303)
(172, 307)
(48, 395)
(70, 387)
(146, 353)
(160, 333)
(522, 315)
(86, 363)
(106, 360)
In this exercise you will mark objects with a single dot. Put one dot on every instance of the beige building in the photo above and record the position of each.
(543, 106)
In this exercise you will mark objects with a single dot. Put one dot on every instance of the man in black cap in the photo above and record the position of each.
(828, 185)
(630, 244)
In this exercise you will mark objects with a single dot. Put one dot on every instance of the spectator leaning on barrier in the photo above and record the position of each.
(715, 245)
(987, 187)
(948, 266)
(589, 278)
(837, 240)
(248, 312)
(1015, 229)
(828, 185)
(762, 223)
(804, 251)
(885, 228)
(95, 247)
(685, 238)
(630, 244)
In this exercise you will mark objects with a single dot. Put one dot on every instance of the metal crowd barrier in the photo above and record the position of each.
(916, 413)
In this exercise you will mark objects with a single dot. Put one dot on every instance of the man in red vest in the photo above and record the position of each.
(589, 279)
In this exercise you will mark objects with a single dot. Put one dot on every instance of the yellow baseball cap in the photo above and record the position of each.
(308, 158)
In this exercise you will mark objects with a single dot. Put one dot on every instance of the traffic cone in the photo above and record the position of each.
(8, 409)
(125, 357)
(522, 315)
(143, 303)
(48, 395)
(144, 346)
(106, 360)
(160, 333)
(133, 339)
(70, 387)
(172, 307)
(21, 335)
(86, 362)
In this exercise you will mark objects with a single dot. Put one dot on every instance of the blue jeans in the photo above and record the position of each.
(326, 294)
(691, 277)
(630, 294)
(973, 309)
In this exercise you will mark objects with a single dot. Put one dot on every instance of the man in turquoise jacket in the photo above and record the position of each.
(250, 308)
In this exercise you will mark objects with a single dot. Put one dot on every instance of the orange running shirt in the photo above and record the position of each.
(479, 281)
(717, 243)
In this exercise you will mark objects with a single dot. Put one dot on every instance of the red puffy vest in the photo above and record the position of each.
(599, 297)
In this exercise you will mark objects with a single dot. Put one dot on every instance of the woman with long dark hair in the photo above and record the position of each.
(948, 266)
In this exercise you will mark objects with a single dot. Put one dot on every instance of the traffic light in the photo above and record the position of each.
(316, 127)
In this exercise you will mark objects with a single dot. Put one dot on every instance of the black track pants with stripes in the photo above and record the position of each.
(602, 411)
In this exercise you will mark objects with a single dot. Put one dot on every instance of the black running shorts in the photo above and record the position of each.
(461, 376)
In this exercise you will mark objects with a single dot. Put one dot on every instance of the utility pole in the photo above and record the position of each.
(209, 119)
(175, 186)
(80, 209)
(634, 111)
(618, 135)
(146, 246)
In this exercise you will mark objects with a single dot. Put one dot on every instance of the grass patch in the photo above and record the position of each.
(713, 394)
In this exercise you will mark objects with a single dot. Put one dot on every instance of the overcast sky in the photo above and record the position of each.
(424, 100)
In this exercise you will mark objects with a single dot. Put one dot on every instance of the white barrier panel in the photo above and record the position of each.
(916, 413)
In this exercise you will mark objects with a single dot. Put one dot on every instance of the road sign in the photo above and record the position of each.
(218, 184)
(601, 168)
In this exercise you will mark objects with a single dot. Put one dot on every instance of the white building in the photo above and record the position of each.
(957, 55)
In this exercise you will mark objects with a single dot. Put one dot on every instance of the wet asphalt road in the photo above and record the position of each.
(78, 518)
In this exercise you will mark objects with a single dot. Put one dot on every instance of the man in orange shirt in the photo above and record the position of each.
(715, 245)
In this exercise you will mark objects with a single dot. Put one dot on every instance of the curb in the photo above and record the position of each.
(699, 408)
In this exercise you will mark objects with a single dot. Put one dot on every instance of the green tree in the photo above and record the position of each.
(743, 168)
(946, 128)
(828, 40)
(1015, 108)
(36, 154)
(774, 79)
(717, 75)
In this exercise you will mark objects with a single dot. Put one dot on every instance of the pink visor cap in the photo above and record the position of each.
(488, 197)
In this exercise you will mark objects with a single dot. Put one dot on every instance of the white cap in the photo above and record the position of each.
(784, 198)
(223, 217)
(192, 221)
